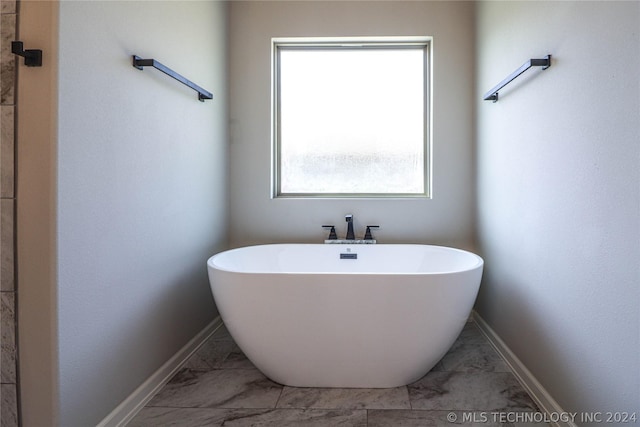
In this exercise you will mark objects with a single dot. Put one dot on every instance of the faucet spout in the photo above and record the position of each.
(350, 234)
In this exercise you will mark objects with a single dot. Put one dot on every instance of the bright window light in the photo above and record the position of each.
(351, 120)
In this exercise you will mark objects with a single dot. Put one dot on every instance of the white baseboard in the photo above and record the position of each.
(128, 409)
(538, 393)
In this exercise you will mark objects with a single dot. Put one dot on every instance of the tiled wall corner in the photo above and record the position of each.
(9, 413)
(8, 361)
(7, 151)
(9, 405)
(7, 71)
(7, 282)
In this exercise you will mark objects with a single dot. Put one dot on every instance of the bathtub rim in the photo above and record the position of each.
(478, 264)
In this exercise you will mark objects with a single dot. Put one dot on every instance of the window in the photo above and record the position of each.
(351, 117)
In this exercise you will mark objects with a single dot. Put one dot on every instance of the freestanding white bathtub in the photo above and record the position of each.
(363, 316)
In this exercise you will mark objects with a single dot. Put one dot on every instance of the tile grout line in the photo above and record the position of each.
(279, 396)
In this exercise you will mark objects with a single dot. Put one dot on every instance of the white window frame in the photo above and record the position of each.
(352, 42)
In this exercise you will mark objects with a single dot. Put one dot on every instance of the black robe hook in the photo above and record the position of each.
(32, 57)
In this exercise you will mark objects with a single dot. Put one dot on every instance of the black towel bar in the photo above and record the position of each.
(545, 63)
(139, 63)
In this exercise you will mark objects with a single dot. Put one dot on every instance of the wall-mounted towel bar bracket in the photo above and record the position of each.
(545, 63)
(32, 57)
(140, 63)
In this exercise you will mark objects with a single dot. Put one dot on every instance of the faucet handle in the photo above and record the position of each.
(332, 233)
(367, 234)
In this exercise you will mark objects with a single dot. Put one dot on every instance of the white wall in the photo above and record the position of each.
(140, 195)
(445, 219)
(559, 195)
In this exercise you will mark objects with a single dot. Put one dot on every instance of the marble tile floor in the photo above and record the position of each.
(219, 386)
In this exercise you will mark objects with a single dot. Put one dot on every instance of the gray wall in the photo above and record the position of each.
(36, 218)
(445, 219)
(559, 195)
(140, 197)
